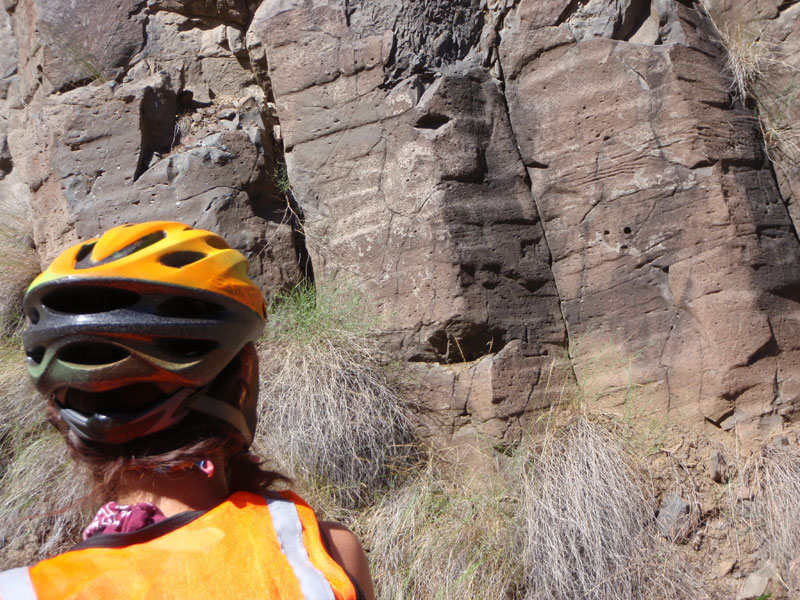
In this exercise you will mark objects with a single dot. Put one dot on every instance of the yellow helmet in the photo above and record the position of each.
(156, 303)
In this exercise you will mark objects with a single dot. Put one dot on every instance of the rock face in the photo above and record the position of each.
(528, 191)
(672, 252)
(670, 241)
(8, 70)
(412, 184)
(768, 34)
(107, 129)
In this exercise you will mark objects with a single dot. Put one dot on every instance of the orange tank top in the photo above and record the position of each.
(248, 547)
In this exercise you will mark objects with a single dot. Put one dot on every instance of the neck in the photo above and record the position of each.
(175, 492)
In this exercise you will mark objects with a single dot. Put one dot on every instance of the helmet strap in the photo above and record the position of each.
(223, 411)
(121, 428)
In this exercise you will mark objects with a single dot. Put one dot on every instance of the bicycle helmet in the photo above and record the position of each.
(130, 330)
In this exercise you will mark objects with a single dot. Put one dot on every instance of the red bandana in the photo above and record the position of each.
(123, 518)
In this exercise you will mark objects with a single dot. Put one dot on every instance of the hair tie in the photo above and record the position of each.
(206, 466)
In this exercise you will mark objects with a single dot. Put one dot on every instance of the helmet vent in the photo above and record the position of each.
(186, 348)
(84, 262)
(93, 354)
(84, 252)
(217, 242)
(180, 259)
(188, 308)
(84, 300)
(33, 315)
(36, 355)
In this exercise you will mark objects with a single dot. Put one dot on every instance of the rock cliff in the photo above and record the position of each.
(526, 190)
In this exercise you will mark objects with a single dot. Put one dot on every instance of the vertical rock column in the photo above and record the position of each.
(8, 71)
(674, 255)
(767, 32)
(402, 159)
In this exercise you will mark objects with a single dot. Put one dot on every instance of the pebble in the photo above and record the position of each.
(756, 583)
(717, 467)
(724, 567)
(673, 520)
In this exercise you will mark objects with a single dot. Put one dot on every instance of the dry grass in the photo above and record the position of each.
(19, 263)
(331, 414)
(774, 473)
(756, 66)
(776, 111)
(570, 515)
(436, 539)
(763, 76)
(39, 492)
(748, 57)
(41, 495)
(588, 514)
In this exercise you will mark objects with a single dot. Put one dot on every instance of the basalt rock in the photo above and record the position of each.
(61, 48)
(769, 33)
(411, 183)
(142, 137)
(509, 182)
(8, 70)
(669, 239)
(233, 11)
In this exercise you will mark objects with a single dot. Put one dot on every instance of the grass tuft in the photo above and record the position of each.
(40, 492)
(567, 515)
(281, 178)
(19, 263)
(762, 77)
(41, 496)
(775, 474)
(436, 539)
(588, 517)
(331, 414)
(748, 56)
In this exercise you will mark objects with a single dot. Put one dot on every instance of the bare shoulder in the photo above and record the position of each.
(347, 551)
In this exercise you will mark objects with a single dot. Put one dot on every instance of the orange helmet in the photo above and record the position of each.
(153, 304)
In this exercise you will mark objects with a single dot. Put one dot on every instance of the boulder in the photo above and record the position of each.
(674, 520)
(61, 48)
(757, 583)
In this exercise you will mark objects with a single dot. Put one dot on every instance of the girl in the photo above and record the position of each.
(142, 340)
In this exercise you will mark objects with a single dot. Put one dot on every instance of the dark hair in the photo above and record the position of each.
(243, 468)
